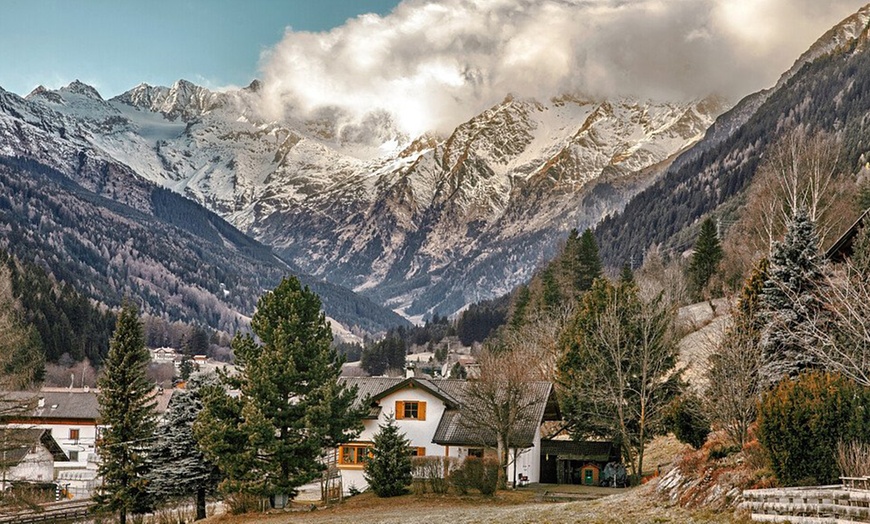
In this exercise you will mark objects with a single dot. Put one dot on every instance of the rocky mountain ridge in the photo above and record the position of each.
(422, 225)
(94, 223)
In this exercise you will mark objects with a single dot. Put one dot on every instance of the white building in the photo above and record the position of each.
(71, 414)
(430, 414)
(27, 455)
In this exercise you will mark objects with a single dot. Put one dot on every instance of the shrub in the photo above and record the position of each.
(475, 473)
(239, 503)
(685, 418)
(801, 422)
(431, 472)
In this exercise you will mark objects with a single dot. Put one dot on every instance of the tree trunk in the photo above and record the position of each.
(122, 516)
(200, 503)
(502, 464)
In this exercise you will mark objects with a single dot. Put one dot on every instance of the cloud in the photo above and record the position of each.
(432, 64)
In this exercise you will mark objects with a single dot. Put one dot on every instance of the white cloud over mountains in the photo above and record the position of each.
(434, 63)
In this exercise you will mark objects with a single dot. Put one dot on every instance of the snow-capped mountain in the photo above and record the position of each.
(424, 224)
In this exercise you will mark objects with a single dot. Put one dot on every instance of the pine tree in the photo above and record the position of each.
(589, 267)
(291, 408)
(179, 467)
(551, 294)
(788, 301)
(388, 470)
(127, 411)
(708, 253)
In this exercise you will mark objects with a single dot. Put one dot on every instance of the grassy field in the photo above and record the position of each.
(524, 506)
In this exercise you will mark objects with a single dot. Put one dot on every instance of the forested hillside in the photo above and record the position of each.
(181, 263)
(831, 94)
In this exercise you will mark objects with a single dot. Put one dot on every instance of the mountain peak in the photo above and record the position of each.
(80, 88)
(41, 92)
(850, 29)
(254, 86)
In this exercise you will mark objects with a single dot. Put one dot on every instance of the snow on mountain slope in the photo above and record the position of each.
(424, 225)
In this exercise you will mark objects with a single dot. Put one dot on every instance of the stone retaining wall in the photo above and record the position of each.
(815, 505)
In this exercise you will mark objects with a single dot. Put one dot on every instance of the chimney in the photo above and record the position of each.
(40, 403)
(409, 372)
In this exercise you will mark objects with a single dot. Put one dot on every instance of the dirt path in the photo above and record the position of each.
(630, 507)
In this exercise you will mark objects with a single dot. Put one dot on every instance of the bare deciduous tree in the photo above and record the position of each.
(733, 383)
(499, 403)
(840, 334)
(538, 341)
(799, 173)
(618, 376)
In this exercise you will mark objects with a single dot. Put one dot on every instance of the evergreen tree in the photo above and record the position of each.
(388, 470)
(788, 300)
(388, 354)
(551, 293)
(185, 368)
(860, 258)
(179, 467)
(708, 253)
(291, 406)
(589, 263)
(127, 411)
(520, 304)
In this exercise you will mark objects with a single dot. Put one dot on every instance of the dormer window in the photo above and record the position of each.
(410, 410)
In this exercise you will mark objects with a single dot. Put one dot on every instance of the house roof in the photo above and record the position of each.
(591, 451)
(460, 427)
(457, 425)
(61, 403)
(376, 388)
(68, 403)
(16, 443)
(842, 248)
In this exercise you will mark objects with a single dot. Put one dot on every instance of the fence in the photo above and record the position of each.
(841, 504)
(56, 512)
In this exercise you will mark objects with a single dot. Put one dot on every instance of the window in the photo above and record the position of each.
(74, 456)
(74, 434)
(353, 455)
(475, 452)
(417, 451)
(410, 409)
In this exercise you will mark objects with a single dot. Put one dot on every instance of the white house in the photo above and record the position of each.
(70, 414)
(430, 414)
(72, 418)
(27, 455)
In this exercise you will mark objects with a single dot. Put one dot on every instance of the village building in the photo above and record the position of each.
(27, 455)
(164, 354)
(430, 413)
(71, 416)
(842, 248)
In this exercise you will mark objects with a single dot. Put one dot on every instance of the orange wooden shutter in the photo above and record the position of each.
(421, 452)
(400, 409)
(421, 411)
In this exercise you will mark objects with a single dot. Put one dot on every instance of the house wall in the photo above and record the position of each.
(85, 446)
(37, 466)
(418, 432)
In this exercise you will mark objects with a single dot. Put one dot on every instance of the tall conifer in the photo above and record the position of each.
(127, 411)
(291, 408)
(705, 259)
(789, 302)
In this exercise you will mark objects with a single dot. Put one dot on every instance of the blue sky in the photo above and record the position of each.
(116, 44)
